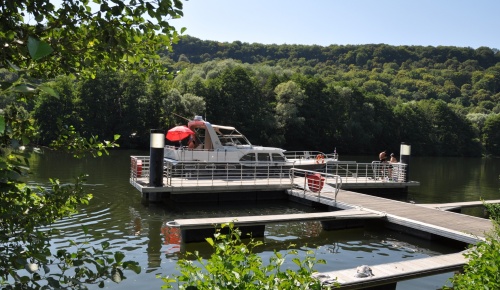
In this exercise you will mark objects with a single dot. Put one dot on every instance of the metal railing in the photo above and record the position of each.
(245, 172)
(309, 155)
(195, 173)
(139, 167)
(368, 172)
(315, 182)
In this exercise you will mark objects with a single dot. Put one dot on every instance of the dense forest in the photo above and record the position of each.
(359, 99)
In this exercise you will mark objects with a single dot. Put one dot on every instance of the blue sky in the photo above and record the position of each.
(324, 22)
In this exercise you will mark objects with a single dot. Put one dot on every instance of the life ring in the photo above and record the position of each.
(136, 167)
(139, 168)
(320, 158)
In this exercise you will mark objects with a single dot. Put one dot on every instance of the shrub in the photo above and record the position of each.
(234, 265)
(483, 269)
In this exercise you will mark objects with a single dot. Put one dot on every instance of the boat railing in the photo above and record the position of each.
(313, 182)
(368, 172)
(200, 173)
(309, 155)
(194, 154)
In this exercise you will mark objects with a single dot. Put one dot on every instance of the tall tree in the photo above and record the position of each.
(290, 98)
(234, 99)
(491, 134)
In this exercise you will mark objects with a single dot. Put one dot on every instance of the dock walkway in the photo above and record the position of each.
(458, 205)
(389, 274)
(428, 220)
(196, 230)
(451, 225)
(265, 219)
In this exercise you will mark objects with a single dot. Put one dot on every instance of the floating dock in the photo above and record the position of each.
(427, 222)
(196, 230)
(350, 209)
(386, 276)
(424, 221)
(263, 178)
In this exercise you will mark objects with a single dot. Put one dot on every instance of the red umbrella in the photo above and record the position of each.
(178, 133)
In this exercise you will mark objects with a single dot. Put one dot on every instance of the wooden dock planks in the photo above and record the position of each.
(390, 273)
(456, 226)
(265, 219)
(457, 205)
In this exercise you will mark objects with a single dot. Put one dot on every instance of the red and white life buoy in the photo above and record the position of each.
(137, 167)
(320, 158)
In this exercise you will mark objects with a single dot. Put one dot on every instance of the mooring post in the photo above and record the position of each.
(156, 157)
(404, 157)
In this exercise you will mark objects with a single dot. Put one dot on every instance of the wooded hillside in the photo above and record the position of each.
(360, 99)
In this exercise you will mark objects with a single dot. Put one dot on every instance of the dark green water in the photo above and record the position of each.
(117, 215)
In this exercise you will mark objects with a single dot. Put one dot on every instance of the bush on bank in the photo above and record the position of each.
(483, 269)
(234, 265)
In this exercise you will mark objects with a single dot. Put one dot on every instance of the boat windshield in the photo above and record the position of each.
(229, 136)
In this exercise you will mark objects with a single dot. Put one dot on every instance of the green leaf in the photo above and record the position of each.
(85, 229)
(49, 91)
(24, 88)
(119, 256)
(13, 66)
(132, 265)
(38, 49)
(2, 124)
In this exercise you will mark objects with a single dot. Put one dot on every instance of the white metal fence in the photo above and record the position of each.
(368, 172)
(197, 171)
(315, 182)
(139, 167)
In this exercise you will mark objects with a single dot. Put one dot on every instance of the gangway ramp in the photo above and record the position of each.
(422, 221)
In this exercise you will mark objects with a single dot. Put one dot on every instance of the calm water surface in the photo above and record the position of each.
(117, 215)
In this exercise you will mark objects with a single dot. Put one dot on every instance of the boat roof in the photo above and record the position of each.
(223, 127)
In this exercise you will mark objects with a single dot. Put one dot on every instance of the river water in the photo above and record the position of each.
(117, 215)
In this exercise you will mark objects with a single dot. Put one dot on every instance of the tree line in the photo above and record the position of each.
(272, 106)
(441, 100)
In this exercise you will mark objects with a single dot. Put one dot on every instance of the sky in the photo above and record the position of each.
(324, 22)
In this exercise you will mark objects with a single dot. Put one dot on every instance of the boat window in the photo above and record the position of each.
(248, 157)
(278, 157)
(263, 157)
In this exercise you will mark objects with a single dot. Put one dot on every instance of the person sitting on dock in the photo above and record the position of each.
(392, 160)
(382, 156)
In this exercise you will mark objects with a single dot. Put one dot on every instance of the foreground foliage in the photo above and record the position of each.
(85, 36)
(483, 269)
(41, 40)
(234, 265)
